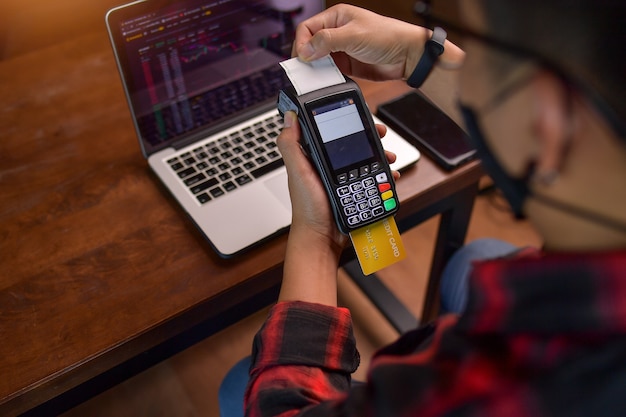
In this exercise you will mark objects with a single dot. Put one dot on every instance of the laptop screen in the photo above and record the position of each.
(190, 65)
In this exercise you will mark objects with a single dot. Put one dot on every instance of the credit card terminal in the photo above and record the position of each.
(341, 140)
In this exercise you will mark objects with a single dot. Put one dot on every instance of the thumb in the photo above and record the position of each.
(326, 41)
(288, 141)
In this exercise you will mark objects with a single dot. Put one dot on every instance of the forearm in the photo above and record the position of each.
(310, 269)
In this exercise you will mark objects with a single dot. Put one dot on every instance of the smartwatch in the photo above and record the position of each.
(432, 50)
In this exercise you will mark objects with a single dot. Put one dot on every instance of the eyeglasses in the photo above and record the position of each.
(423, 9)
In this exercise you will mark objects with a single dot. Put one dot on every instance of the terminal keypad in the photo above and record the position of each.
(365, 194)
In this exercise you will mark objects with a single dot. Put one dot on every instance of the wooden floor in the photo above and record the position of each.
(187, 384)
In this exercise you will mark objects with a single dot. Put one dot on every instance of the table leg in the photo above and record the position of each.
(450, 237)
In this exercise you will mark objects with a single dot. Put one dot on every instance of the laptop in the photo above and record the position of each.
(201, 79)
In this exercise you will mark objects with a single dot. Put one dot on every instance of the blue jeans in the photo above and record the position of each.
(453, 300)
(454, 279)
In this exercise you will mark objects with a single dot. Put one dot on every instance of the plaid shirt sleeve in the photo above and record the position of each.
(303, 355)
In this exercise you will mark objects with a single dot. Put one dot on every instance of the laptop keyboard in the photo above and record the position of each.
(223, 165)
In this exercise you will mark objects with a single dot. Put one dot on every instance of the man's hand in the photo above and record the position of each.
(367, 45)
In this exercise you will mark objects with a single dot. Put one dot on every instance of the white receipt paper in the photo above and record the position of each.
(311, 76)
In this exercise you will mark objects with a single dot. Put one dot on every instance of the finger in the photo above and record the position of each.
(289, 145)
(341, 39)
(391, 158)
(382, 130)
(307, 29)
(329, 31)
(288, 141)
(303, 36)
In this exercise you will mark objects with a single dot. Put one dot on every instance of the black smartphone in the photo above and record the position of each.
(422, 123)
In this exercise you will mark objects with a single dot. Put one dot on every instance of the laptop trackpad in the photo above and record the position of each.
(279, 188)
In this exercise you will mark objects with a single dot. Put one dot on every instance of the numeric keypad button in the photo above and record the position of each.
(356, 187)
(365, 215)
(350, 210)
(343, 191)
(378, 211)
(371, 192)
(368, 182)
(354, 220)
(376, 201)
(360, 196)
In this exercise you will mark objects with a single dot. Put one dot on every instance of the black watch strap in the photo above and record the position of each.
(432, 50)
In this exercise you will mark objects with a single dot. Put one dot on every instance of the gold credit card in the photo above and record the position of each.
(378, 245)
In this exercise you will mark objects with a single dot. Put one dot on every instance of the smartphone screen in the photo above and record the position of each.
(422, 123)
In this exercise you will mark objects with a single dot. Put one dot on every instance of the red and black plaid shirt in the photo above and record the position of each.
(541, 336)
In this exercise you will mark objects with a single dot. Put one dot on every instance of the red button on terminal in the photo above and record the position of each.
(384, 187)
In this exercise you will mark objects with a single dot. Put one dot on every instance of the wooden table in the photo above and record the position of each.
(101, 273)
